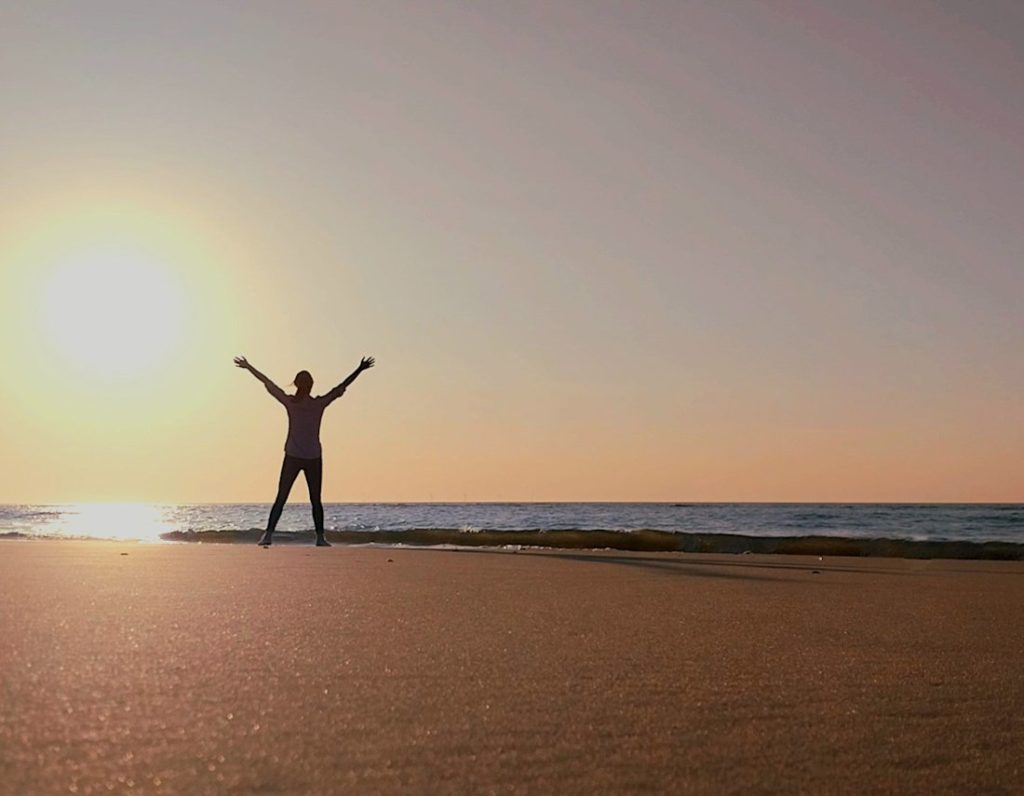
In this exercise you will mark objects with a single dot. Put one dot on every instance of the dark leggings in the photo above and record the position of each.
(290, 469)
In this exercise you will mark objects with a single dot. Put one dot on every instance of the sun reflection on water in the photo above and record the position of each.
(125, 521)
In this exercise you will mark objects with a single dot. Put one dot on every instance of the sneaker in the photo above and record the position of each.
(265, 539)
(321, 542)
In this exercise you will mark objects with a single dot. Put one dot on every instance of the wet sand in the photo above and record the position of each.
(202, 669)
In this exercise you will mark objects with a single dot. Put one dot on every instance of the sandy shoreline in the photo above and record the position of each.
(183, 668)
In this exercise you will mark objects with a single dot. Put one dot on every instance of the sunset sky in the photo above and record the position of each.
(600, 250)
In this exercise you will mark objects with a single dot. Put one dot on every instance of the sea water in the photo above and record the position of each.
(692, 526)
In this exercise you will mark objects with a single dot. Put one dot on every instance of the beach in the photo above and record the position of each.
(196, 668)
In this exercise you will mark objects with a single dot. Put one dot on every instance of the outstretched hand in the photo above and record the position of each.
(366, 363)
(242, 362)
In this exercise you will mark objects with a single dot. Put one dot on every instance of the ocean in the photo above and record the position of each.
(909, 530)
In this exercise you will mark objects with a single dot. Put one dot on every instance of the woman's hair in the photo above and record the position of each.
(303, 384)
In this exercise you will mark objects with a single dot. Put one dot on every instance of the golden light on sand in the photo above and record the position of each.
(113, 313)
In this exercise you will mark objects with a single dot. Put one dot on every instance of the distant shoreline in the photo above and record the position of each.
(662, 503)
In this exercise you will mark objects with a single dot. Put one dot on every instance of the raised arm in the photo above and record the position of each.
(364, 364)
(273, 389)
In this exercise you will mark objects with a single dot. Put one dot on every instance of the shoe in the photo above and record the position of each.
(265, 539)
(321, 542)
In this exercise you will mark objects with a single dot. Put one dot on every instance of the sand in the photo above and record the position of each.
(205, 669)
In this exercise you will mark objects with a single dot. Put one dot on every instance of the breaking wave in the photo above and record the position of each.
(638, 540)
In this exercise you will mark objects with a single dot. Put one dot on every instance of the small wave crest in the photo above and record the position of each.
(637, 540)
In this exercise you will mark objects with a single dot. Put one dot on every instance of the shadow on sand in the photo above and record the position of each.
(670, 565)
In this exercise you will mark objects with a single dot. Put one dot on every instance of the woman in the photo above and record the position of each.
(302, 452)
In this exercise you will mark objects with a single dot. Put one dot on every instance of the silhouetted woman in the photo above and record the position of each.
(302, 452)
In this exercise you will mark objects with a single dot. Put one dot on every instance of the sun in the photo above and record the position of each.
(113, 313)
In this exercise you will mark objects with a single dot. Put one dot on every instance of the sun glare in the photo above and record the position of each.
(113, 313)
(126, 521)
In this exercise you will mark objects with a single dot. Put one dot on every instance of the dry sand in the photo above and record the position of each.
(203, 669)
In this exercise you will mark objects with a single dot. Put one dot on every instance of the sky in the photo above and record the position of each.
(678, 251)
